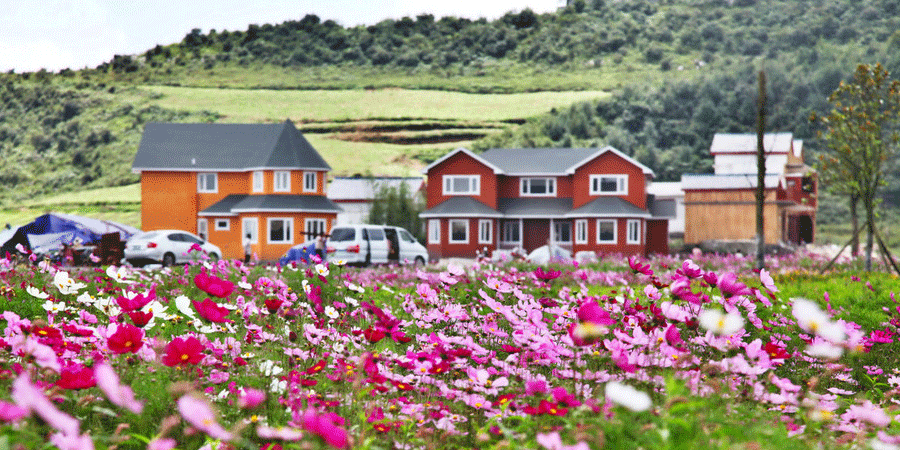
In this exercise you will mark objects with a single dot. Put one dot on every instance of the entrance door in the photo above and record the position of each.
(535, 233)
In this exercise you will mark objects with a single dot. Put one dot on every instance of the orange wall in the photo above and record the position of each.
(231, 241)
(168, 200)
(609, 164)
(461, 164)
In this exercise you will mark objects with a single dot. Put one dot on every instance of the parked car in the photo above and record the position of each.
(166, 247)
(375, 244)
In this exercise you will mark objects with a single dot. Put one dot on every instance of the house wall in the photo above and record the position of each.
(609, 164)
(510, 186)
(231, 242)
(228, 183)
(729, 214)
(746, 163)
(463, 250)
(168, 200)
(461, 164)
(621, 245)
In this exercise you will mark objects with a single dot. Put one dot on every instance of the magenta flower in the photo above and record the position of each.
(546, 275)
(730, 286)
(201, 416)
(637, 267)
(211, 311)
(212, 285)
(590, 311)
(118, 394)
(133, 302)
(126, 339)
(76, 376)
(184, 351)
(327, 426)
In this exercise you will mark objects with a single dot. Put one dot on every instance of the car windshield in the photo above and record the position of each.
(342, 235)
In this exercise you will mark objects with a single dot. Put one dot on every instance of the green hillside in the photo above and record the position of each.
(655, 79)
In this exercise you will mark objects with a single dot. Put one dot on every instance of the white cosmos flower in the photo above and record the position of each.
(244, 285)
(306, 286)
(118, 274)
(65, 284)
(322, 270)
(331, 312)
(720, 323)
(53, 308)
(183, 304)
(812, 319)
(268, 368)
(627, 396)
(339, 262)
(86, 298)
(35, 292)
(824, 350)
(351, 301)
(278, 386)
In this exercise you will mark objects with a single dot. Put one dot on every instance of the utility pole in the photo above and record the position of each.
(760, 173)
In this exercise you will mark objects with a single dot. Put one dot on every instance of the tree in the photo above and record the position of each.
(861, 137)
(398, 206)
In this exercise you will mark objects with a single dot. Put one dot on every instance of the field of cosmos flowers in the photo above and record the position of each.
(621, 353)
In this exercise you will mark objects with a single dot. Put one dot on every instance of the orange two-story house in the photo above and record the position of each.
(580, 199)
(224, 181)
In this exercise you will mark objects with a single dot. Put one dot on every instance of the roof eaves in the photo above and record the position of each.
(646, 170)
(468, 152)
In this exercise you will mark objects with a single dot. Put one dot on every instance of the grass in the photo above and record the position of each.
(261, 105)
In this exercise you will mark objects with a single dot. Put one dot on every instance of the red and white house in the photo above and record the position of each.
(580, 199)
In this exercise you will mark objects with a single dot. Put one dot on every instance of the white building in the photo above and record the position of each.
(356, 194)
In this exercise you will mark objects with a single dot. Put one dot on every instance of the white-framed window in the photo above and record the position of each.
(313, 227)
(606, 231)
(633, 235)
(511, 231)
(537, 187)
(609, 184)
(223, 224)
(258, 181)
(434, 231)
(562, 231)
(203, 229)
(310, 182)
(208, 182)
(485, 231)
(462, 184)
(282, 181)
(250, 225)
(581, 231)
(458, 231)
(281, 230)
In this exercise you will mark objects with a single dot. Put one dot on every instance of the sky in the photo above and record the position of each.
(58, 34)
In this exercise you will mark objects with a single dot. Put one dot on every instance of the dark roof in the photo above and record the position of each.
(225, 147)
(460, 207)
(238, 203)
(661, 208)
(534, 207)
(537, 160)
(608, 207)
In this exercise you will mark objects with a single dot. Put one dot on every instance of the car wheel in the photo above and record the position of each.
(420, 261)
(213, 257)
(168, 260)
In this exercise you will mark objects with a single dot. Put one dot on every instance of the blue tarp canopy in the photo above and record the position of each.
(50, 231)
(301, 253)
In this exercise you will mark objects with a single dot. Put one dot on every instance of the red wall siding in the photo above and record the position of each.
(463, 250)
(609, 164)
(461, 164)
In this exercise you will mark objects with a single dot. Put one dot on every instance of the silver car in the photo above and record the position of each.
(166, 247)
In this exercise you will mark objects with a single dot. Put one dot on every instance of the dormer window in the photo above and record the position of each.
(207, 183)
(609, 184)
(537, 187)
(462, 184)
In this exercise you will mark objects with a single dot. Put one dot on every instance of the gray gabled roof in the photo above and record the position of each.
(608, 207)
(287, 203)
(225, 147)
(534, 208)
(662, 208)
(550, 161)
(460, 207)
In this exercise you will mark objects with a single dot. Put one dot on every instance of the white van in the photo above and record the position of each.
(375, 244)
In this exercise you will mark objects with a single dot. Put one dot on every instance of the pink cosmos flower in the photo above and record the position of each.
(552, 441)
(118, 394)
(590, 311)
(546, 275)
(637, 267)
(767, 280)
(730, 286)
(691, 269)
(76, 376)
(132, 301)
(250, 398)
(32, 398)
(325, 425)
(201, 416)
(162, 444)
(72, 441)
(10, 412)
